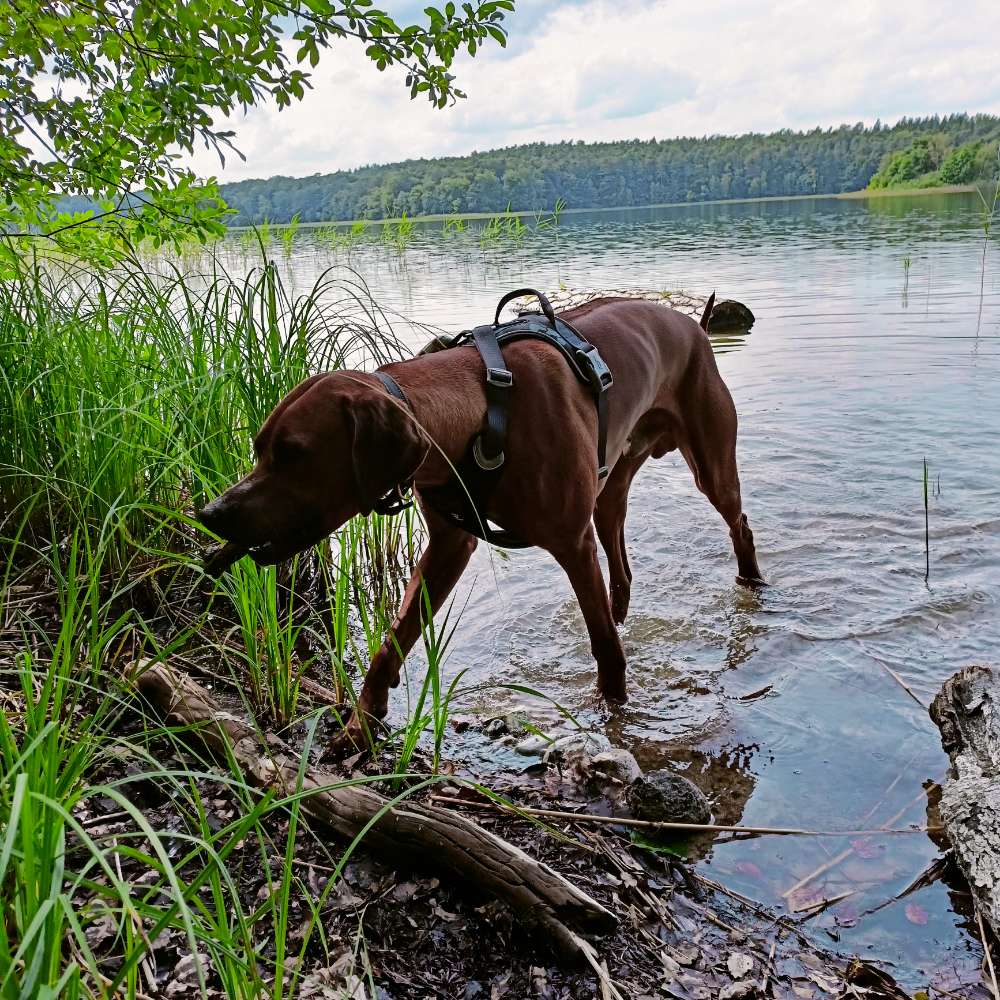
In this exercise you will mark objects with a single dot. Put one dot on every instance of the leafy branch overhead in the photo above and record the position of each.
(101, 98)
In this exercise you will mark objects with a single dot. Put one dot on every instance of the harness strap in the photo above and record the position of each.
(584, 357)
(392, 387)
(465, 502)
(395, 501)
(488, 447)
(520, 293)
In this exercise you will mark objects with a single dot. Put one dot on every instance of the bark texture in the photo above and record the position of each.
(407, 834)
(967, 711)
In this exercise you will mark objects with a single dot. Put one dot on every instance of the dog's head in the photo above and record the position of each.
(329, 450)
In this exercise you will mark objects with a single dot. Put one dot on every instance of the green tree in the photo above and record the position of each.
(99, 99)
(962, 165)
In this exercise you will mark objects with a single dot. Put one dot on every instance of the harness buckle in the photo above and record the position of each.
(484, 463)
(500, 377)
(600, 374)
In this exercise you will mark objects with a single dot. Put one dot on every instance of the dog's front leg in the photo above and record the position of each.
(440, 565)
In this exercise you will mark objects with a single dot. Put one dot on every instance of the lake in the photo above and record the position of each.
(873, 351)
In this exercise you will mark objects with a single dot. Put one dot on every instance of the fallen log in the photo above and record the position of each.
(407, 833)
(967, 712)
(727, 314)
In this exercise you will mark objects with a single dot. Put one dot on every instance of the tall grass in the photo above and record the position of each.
(126, 400)
(135, 396)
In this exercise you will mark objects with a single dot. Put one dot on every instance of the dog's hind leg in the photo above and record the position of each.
(609, 519)
(709, 449)
(584, 572)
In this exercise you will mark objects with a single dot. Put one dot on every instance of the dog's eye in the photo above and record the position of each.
(287, 450)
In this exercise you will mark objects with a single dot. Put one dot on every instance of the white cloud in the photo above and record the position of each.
(603, 70)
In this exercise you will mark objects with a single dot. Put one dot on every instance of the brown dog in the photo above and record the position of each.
(338, 442)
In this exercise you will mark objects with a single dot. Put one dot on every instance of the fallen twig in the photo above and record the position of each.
(846, 853)
(989, 957)
(759, 831)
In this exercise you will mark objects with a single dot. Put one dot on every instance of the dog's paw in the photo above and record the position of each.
(753, 582)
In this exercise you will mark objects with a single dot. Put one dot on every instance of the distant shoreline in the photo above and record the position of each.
(522, 213)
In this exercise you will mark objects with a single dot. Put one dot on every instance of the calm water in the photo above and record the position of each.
(859, 367)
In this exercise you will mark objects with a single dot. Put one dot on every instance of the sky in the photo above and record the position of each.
(599, 70)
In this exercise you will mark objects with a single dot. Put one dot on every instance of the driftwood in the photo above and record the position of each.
(727, 314)
(967, 711)
(406, 833)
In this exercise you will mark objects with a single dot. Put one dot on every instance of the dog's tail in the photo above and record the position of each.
(706, 316)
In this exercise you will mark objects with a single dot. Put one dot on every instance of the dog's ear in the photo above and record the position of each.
(387, 448)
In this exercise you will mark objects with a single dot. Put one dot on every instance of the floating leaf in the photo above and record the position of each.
(864, 848)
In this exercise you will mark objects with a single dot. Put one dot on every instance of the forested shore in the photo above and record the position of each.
(631, 173)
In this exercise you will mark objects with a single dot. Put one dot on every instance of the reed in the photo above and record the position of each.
(127, 399)
(927, 527)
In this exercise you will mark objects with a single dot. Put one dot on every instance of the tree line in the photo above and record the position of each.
(635, 172)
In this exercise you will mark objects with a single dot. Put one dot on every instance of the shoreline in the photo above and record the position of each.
(861, 195)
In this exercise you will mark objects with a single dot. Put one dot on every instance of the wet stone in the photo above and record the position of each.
(496, 728)
(615, 767)
(665, 797)
(579, 742)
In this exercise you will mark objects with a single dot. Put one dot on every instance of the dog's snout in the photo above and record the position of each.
(213, 514)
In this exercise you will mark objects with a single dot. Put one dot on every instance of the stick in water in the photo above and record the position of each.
(656, 825)
(927, 530)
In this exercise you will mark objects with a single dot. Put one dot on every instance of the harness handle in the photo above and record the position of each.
(543, 301)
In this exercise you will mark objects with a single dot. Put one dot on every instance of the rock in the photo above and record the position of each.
(534, 745)
(495, 728)
(615, 767)
(665, 797)
(578, 742)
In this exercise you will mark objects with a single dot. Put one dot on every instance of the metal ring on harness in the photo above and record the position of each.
(484, 463)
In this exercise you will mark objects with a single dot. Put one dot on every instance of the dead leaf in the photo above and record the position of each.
(539, 979)
(825, 984)
(739, 965)
(686, 953)
(671, 968)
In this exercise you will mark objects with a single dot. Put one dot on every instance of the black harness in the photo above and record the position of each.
(464, 499)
